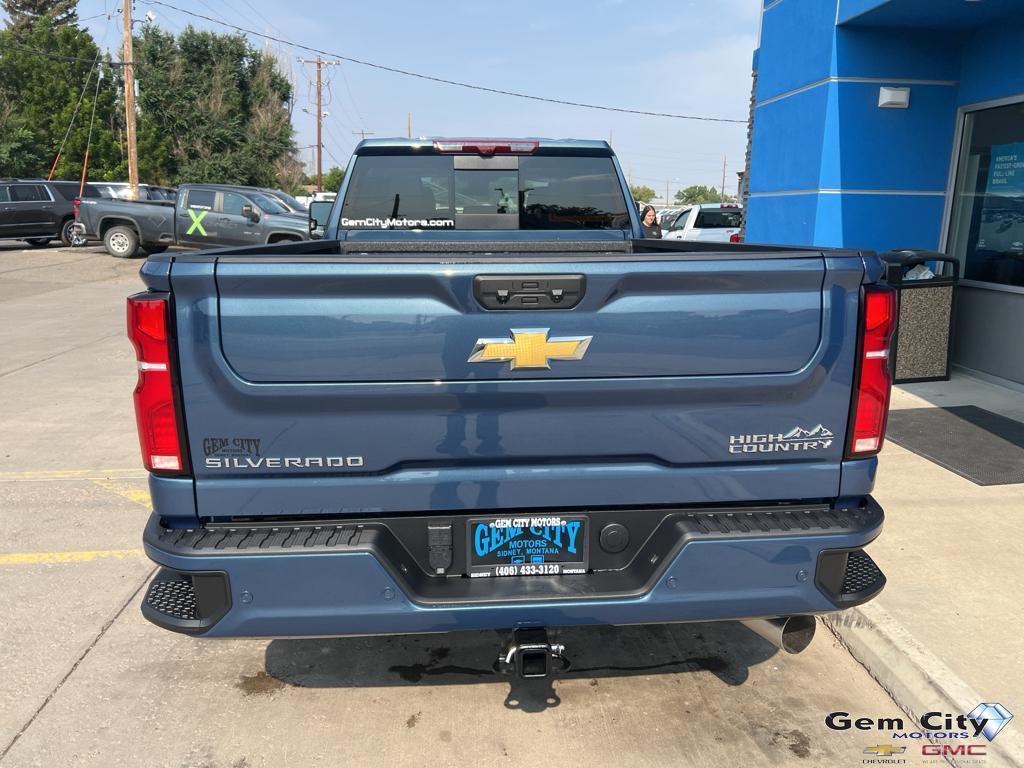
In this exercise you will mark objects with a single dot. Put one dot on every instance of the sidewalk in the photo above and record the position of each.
(948, 624)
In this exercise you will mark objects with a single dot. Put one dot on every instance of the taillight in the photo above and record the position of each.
(487, 146)
(735, 238)
(156, 414)
(873, 376)
(76, 203)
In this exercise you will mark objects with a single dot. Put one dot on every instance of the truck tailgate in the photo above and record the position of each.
(345, 386)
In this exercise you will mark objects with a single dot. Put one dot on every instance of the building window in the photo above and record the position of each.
(987, 225)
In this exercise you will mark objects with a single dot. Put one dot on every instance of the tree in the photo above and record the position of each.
(333, 179)
(43, 77)
(221, 106)
(22, 15)
(290, 174)
(698, 193)
(19, 154)
(642, 193)
(212, 108)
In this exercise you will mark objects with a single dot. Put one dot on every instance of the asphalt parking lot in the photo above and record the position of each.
(89, 682)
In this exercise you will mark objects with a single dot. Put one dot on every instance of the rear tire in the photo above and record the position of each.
(39, 242)
(121, 242)
(67, 233)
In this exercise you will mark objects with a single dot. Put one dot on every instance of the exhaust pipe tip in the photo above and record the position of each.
(791, 634)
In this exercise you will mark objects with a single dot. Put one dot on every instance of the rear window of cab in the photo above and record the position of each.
(432, 192)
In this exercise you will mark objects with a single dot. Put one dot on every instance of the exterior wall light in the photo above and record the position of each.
(893, 98)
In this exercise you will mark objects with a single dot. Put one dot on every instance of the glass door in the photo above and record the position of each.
(987, 223)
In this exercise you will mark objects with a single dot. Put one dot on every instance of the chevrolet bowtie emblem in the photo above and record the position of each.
(530, 348)
(884, 750)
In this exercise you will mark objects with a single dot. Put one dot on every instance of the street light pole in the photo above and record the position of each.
(129, 102)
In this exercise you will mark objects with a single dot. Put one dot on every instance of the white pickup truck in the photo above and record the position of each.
(706, 222)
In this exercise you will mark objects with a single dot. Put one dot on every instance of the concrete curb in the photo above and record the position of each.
(912, 675)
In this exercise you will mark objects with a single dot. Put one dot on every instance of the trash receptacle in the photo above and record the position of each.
(925, 281)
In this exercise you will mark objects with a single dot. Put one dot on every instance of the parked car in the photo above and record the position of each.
(122, 189)
(665, 214)
(200, 216)
(290, 202)
(486, 401)
(39, 211)
(706, 222)
(317, 197)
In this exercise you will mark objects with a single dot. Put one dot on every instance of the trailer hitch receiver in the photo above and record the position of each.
(531, 654)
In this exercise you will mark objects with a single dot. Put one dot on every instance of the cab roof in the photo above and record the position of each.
(436, 144)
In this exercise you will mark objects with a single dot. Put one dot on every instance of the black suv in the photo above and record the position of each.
(37, 211)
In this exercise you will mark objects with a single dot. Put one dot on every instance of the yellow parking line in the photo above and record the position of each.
(51, 558)
(138, 495)
(70, 474)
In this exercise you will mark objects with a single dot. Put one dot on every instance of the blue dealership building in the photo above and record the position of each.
(889, 124)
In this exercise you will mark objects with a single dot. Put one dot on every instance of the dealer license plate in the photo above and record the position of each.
(527, 545)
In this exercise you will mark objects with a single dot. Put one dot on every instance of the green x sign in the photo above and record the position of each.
(196, 222)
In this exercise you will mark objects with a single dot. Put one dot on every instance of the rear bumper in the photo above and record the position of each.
(80, 235)
(335, 578)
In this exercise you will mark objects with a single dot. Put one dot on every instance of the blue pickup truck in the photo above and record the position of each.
(484, 400)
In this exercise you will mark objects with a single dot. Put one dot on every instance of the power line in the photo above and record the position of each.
(432, 78)
(88, 141)
(338, 111)
(623, 149)
(59, 57)
(265, 20)
(330, 154)
(339, 142)
(351, 98)
(92, 71)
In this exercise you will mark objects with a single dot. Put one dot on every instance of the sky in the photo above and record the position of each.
(686, 57)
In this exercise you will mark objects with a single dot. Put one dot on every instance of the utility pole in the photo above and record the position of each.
(629, 174)
(129, 102)
(320, 64)
(408, 125)
(721, 192)
(666, 193)
(319, 127)
(362, 134)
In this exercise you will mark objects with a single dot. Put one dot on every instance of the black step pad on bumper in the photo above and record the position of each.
(174, 598)
(849, 577)
(189, 603)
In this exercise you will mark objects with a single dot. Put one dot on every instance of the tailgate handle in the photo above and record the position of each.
(528, 291)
